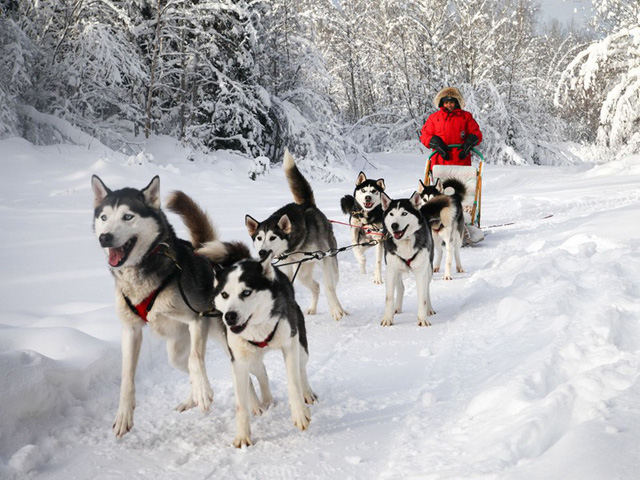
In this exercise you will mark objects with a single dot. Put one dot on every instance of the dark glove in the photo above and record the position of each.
(439, 146)
(469, 142)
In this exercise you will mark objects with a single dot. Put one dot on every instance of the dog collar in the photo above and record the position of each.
(266, 341)
(143, 308)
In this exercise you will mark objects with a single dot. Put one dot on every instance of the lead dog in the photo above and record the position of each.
(300, 226)
(143, 252)
(365, 217)
(442, 208)
(260, 312)
(408, 248)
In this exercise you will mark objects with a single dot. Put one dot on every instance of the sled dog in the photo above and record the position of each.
(365, 216)
(408, 248)
(260, 313)
(442, 208)
(296, 227)
(143, 253)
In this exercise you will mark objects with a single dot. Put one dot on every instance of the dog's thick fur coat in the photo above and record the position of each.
(442, 208)
(408, 249)
(365, 217)
(300, 227)
(143, 252)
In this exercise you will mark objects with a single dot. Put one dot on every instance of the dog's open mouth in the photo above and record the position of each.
(368, 205)
(398, 234)
(119, 255)
(239, 328)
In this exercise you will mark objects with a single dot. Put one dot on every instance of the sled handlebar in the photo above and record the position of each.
(459, 145)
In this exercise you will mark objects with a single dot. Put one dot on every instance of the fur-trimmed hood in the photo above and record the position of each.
(448, 92)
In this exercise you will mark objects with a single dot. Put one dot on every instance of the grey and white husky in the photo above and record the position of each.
(300, 227)
(442, 208)
(260, 313)
(365, 216)
(408, 248)
(143, 252)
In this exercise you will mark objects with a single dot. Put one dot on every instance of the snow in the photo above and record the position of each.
(529, 371)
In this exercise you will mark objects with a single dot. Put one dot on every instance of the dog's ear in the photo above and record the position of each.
(361, 179)
(152, 192)
(284, 224)
(385, 200)
(416, 200)
(267, 269)
(100, 190)
(421, 186)
(380, 183)
(251, 224)
(438, 185)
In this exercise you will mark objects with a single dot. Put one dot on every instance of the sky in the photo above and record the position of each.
(530, 370)
(566, 10)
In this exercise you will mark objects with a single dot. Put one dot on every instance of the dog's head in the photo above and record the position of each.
(243, 293)
(368, 192)
(127, 221)
(427, 192)
(401, 217)
(269, 236)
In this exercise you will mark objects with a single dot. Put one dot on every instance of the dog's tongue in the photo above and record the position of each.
(115, 255)
(368, 205)
(398, 235)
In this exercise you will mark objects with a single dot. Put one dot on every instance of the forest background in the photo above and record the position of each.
(329, 79)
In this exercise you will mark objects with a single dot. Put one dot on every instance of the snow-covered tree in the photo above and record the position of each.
(604, 80)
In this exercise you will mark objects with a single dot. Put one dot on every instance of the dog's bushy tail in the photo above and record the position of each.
(347, 204)
(459, 187)
(195, 218)
(299, 186)
(224, 254)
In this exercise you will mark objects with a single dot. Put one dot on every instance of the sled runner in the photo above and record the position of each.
(470, 175)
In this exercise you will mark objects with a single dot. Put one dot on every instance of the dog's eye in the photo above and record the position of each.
(224, 295)
(272, 238)
(245, 293)
(404, 214)
(127, 217)
(259, 238)
(103, 218)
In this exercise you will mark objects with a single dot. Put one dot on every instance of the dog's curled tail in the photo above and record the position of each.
(460, 189)
(347, 204)
(195, 218)
(224, 254)
(299, 186)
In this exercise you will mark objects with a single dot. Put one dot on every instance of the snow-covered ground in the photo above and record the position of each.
(530, 370)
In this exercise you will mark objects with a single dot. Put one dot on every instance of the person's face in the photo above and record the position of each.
(449, 105)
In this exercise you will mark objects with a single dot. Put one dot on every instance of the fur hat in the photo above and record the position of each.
(448, 92)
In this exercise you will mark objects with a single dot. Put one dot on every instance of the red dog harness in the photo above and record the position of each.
(143, 308)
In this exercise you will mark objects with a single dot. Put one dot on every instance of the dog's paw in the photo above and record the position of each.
(309, 397)
(436, 269)
(242, 440)
(459, 269)
(202, 394)
(424, 323)
(386, 322)
(258, 408)
(123, 422)
(337, 313)
(447, 277)
(301, 417)
(377, 279)
(186, 405)
(311, 311)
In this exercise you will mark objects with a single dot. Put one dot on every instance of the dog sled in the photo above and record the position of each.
(471, 176)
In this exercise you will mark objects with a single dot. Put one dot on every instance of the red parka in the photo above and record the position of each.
(452, 127)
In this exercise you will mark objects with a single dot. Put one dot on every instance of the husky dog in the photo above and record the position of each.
(365, 217)
(143, 253)
(442, 208)
(260, 312)
(408, 248)
(298, 227)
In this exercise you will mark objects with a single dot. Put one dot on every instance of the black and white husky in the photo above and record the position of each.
(408, 248)
(365, 216)
(260, 313)
(300, 227)
(143, 253)
(442, 208)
